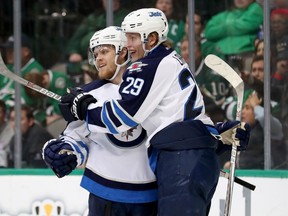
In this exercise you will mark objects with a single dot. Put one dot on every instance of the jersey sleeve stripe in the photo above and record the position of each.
(93, 115)
(83, 145)
(125, 118)
(78, 150)
(112, 114)
(107, 121)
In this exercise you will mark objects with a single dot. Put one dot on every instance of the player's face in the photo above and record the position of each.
(134, 46)
(105, 61)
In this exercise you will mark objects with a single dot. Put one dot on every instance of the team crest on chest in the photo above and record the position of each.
(129, 138)
(136, 67)
(128, 133)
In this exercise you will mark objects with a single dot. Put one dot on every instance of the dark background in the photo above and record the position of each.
(50, 34)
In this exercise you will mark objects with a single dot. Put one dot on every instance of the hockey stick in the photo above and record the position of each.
(223, 69)
(238, 180)
(7, 73)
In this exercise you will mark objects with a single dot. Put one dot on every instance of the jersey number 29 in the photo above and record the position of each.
(134, 86)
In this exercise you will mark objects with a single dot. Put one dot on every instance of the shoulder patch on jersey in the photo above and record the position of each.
(136, 67)
(179, 58)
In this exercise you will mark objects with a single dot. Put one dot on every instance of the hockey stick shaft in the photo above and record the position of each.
(238, 180)
(7, 73)
(223, 69)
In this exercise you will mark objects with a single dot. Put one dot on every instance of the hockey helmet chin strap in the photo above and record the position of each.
(148, 51)
(119, 66)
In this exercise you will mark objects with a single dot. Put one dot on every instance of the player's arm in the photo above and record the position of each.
(140, 95)
(116, 116)
(79, 105)
(63, 155)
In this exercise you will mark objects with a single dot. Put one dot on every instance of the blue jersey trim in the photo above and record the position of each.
(119, 185)
(128, 121)
(107, 122)
(212, 129)
(118, 195)
(83, 145)
(112, 116)
(153, 157)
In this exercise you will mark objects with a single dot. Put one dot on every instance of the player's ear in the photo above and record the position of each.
(124, 52)
(152, 39)
(123, 56)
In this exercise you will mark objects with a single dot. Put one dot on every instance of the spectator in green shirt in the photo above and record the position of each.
(28, 62)
(54, 81)
(79, 42)
(28, 65)
(233, 31)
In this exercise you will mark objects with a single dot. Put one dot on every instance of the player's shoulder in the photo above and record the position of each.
(171, 62)
(94, 85)
(102, 90)
(159, 58)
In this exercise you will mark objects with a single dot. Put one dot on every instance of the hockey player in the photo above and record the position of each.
(159, 92)
(117, 172)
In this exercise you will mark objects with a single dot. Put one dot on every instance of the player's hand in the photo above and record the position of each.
(230, 131)
(74, 104)
(59, 156)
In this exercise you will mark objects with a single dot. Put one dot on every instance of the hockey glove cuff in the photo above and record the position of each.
(59, 156)
(74, 104)
(80, 105)
(230, 131)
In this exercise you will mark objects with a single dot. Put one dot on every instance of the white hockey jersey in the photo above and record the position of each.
(117, 167)
(156, 91)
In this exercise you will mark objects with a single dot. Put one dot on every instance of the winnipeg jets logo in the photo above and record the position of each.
(154, 14)
(136, 67)
(128, 133)
(130, 138)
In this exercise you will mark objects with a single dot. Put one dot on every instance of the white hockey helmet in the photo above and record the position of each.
(145, 21)
(112, 35)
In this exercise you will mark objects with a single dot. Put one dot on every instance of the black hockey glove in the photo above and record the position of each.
(59, 156)
(229, 131)
(73, 105)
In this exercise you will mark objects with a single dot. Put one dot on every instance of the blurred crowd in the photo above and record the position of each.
(54, 56)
